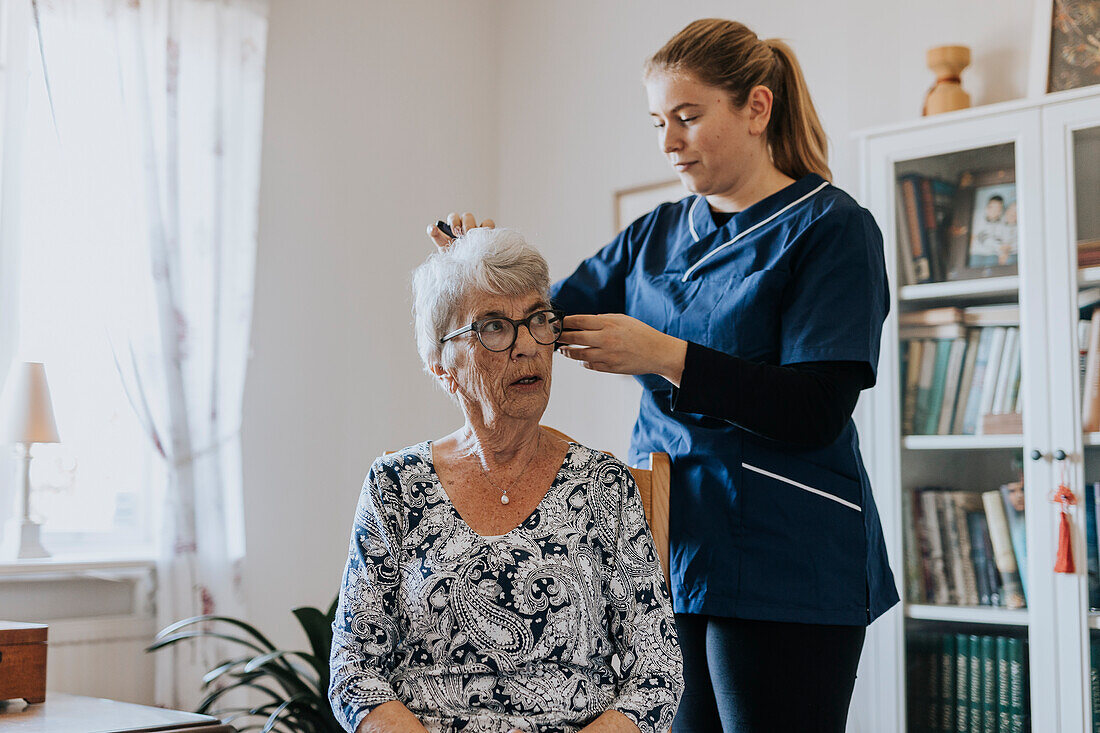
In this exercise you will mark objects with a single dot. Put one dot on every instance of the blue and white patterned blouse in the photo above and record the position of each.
(541, 629)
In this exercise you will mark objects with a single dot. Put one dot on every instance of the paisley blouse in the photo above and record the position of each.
(541, 629)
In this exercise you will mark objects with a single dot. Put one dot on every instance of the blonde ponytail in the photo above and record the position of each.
(795, 133)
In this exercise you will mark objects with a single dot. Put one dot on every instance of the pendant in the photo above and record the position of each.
(503, 498)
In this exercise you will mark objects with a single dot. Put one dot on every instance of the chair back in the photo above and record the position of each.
(653, 486)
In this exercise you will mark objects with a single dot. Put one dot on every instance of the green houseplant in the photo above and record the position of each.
(292, 685)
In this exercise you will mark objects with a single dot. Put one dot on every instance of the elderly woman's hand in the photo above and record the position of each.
(459, 224)
(619, 344)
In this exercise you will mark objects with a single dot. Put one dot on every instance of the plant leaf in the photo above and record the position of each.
(207, 702)
(172, 628)
(273, 719)
(227, 666)
(318, 630)
(169, 640)
(291, 678)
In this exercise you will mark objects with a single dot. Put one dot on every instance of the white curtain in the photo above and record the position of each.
(158, 108)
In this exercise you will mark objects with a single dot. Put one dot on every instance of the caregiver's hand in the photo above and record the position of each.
(619, 344)
(459, 224)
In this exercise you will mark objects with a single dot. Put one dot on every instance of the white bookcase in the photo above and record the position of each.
(1053, 144)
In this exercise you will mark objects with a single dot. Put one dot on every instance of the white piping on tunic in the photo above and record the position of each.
(691, 218)
(804, 487)
(753, 228)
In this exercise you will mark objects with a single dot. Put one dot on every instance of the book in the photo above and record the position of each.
(981, 560)
(908, 274)
(931, 317)
(939, 384)
(1084, 333)
(992, 315)
(951, 385)
(1013, 400)
(948, 666)
(922, 686)
(974, 676)
(938, 331)
(922, 261)
(966, 502)
(1004, 689)
(989, 381)
(1094, 682)
(911, 383)
(1009, 358)
(1087, 299)
(1092, 551)
(987, 654)
(1017, 693)
(933, 715)
(933, 213)
(1012, 499)
(996, 585)
(966, 379)
(962, 682)
(943, 203)
(1090, 400)
(930, 531)
(1009, 423)
(974, 394)
(949, 541)
(914, 575)
(924, 551)
(1004, 556)
(924, 386)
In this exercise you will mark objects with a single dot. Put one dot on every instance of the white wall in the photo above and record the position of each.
(377, 116)
(380, 116)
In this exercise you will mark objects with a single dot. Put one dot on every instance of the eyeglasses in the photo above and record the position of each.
(499, 333)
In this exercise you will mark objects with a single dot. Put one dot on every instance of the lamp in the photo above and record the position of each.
(26, 417)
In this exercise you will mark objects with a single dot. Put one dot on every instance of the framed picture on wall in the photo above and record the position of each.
(630, 203)
(1065, 50)
(983, 235)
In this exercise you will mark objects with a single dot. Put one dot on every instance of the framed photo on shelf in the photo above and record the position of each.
(1065, 48)
(630, 203)
(983, 236)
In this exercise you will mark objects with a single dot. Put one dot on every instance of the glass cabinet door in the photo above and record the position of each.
(965, 348)
(1071, 138)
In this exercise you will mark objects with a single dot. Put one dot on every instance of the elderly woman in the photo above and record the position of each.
(500, 579)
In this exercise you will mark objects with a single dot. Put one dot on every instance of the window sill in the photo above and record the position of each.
(77, 565)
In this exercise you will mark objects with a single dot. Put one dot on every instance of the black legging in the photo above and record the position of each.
(765, 676)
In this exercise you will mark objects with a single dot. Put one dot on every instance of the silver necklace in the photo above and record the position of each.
(504, 491)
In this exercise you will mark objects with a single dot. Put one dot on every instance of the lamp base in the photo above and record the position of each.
(21, 540)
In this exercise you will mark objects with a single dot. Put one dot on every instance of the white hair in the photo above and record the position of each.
(481, 262)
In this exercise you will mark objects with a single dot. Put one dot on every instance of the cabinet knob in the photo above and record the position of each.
(1036, 455)
(1059, 455)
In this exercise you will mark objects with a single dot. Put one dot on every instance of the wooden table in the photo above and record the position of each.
(63, 713)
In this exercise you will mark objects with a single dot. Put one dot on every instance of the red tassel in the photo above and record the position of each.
(1064, 562)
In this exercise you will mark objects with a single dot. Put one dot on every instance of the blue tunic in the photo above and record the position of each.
(759, 529)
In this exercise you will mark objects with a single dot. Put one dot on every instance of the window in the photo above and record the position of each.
(84, 288)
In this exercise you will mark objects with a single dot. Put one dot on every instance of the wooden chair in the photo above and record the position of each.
(653, 485)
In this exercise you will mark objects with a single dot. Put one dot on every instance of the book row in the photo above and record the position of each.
(950, 383)
(966, 683)
(956, 230)
(964, 548)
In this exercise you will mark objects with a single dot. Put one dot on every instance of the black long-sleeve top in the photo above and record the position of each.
(806, 404)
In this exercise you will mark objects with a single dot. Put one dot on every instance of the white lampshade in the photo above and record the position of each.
(26, 412)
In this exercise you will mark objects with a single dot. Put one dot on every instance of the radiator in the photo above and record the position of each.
(100, 621)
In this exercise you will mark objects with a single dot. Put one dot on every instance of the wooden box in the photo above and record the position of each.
(22, 661)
